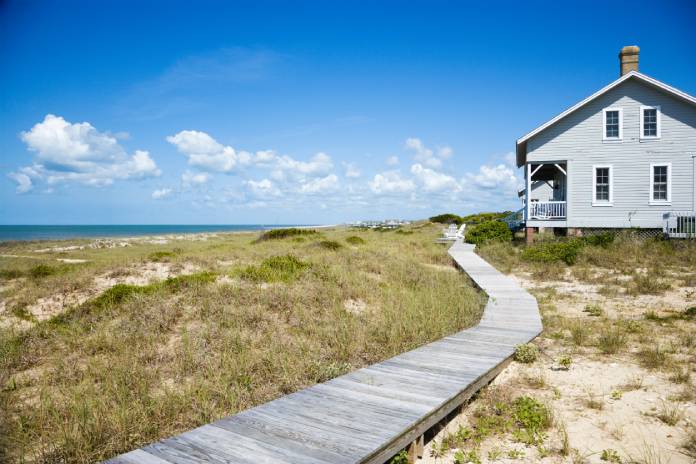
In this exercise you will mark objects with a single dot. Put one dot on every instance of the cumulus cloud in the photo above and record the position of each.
(390, 182)
(161, 193)
(189, 178)
(66, 152)
(434, 181)
(352, 172)
(392, 161)
(24, 183)
(320, 185)
(205, 152)
(425, 155)
(264, 188)
(494, 177)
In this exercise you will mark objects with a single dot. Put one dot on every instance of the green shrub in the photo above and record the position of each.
(277, 234)
(355, 240)
(447, 218)
(480, 218)
(330, 245)
(401, 231)
(275, 269)
(547, 252)
(491, 231)
(603, 239)
(42, 270)
(526, 353)
(690, 312)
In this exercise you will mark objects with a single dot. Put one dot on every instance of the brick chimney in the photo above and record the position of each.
(629, 58)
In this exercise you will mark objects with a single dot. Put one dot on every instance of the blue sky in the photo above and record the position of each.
(297, 112)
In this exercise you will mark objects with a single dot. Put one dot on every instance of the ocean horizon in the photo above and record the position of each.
(64, 232)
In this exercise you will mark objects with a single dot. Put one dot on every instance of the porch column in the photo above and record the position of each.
(529, 235)
(528, 191)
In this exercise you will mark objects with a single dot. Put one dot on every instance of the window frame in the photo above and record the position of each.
(651, 198)
(658, 122)
(604, 125)
(596, 202)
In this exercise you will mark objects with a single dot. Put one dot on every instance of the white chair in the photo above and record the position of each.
(460, 231)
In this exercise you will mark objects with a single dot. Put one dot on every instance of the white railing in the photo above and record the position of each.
(547, 209)
(680, 224)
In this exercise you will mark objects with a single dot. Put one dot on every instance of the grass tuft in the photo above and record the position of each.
(332, 245)
(355, 240)
(275, 269)
(278, 234)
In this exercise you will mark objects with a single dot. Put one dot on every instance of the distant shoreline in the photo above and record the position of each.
(26, 233)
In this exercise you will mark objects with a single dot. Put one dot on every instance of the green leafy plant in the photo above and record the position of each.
(546, 252)
(565, 362)
(593, 310)
(401, 458)
(491, 231)
(616, 395)
(526, 353)
(610, 455)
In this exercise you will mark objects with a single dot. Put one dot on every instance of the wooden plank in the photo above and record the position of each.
(369, 415)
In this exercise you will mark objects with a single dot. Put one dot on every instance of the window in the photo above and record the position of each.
(660, 183)
(602, 186)
(613, 124)
(650, 122)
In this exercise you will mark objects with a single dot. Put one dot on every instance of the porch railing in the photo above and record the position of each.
(547, 209)
(680, 224)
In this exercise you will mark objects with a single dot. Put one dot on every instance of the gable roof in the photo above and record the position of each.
(521, 148)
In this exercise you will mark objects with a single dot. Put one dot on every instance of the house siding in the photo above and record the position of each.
(577, 138)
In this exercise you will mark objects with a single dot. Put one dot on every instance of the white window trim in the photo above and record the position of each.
(604, 126)
(651, 201)
(595, 202)
(659, 122)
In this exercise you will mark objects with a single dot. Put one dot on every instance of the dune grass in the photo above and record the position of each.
(256, 320)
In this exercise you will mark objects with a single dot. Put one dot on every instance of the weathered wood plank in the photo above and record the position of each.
(368, 415)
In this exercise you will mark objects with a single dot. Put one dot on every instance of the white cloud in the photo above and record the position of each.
(320, 164)
(433, 181)
(494, 177)
(390, 182)
(263, 188)
(24, 183)
(205, 152)
(320, 185)
(392, 161)
(425, 155)
(352, 172)
(189, 178)
(161, 193)
(66, 152)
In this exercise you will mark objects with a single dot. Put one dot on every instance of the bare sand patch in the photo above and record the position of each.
(356, 307)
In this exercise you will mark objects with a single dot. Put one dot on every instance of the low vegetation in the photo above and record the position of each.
(487, 232)
(223, 324)
(277, 234)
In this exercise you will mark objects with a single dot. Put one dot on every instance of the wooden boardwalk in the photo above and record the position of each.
(369, 415)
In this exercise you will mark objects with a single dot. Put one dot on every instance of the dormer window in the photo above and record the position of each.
(613, 124)
(650, 122)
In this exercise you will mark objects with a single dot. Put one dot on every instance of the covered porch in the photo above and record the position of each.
(545, 194)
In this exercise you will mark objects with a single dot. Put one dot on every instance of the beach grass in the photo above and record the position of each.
(235, 322)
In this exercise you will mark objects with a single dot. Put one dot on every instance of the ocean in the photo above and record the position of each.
(46, 232)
